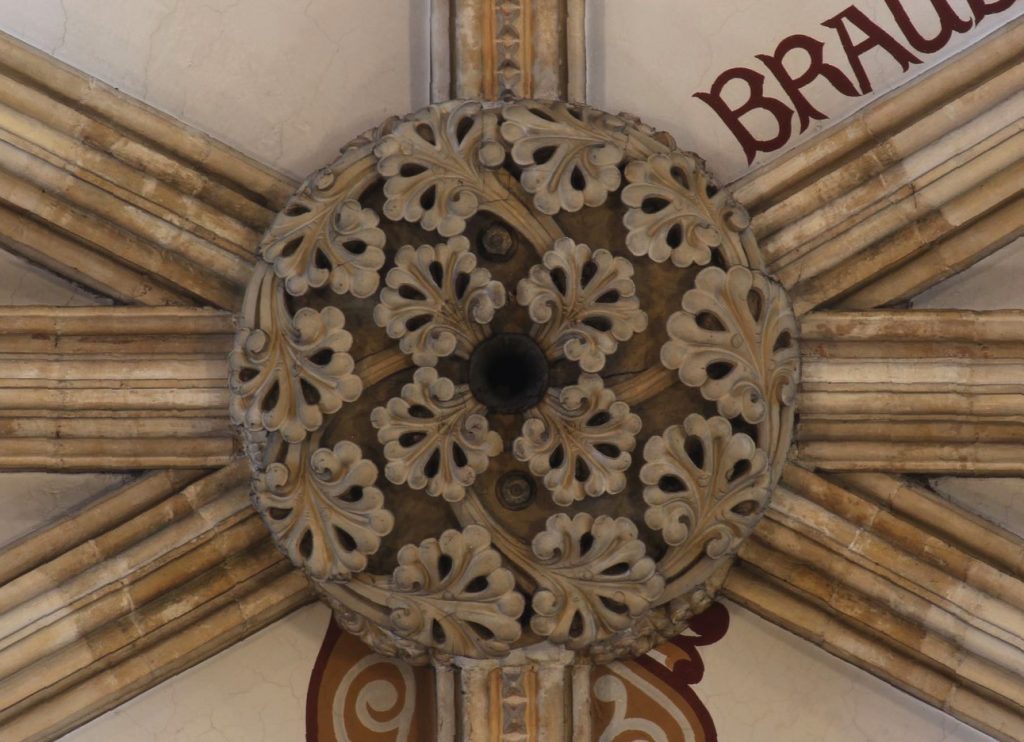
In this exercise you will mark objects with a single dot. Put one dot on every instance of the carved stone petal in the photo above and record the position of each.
(578, 440)
(584, 303)
(677, 210)
(736, 340)
(435, 436)
(318, 239)
(434, 162)
(707, 486)
(594, 580)
(280, 361)
(324, 509)
(453, 594)
(437, 301)
(665, 218)
(570, 157)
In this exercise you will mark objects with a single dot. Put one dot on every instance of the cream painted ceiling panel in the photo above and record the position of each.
(286, 81)
(22, 283)
(29, 500)
(650, 58)
(997, 282)
(998, 500)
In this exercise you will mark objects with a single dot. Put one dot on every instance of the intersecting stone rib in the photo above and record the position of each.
(106, 191)
(920, 184)
(114, 388)
(878, 571)
(494, 49)
(139, 593)
(877, 123)
(913, 391)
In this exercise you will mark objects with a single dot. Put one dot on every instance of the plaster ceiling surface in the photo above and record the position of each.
(755, 678)
(29, 500)
(993, 283)
(651, 63)
(23, 284)
(287, 82)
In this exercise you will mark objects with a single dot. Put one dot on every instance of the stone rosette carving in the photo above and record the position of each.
(511, 374)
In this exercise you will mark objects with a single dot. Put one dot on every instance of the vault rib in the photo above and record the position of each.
(101, 189)
(152, 578)
(114, 388)
(877, 571)
(912, 391)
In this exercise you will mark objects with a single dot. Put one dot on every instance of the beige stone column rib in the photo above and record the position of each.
(114, 388)
(153, 578)
(870, 130)
(912, 391)
(921, 184)
(538, 694)
(104, 190)
(498, 49)
(900, 582)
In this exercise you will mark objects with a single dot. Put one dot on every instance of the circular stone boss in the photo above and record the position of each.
(513, 373)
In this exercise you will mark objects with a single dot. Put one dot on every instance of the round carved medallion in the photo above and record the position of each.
(512, 374)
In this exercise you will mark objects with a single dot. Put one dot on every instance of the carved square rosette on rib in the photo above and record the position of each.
(512, 375)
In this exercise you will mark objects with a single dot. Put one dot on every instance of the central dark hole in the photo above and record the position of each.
(508, 373)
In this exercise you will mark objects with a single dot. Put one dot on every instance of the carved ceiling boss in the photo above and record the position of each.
(512, 374)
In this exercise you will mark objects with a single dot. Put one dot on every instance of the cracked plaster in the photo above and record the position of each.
(285, 82)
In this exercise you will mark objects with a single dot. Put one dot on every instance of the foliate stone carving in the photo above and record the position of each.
(579, 440)
(432, 320)
(705, 484)
(287, 377)
(597, 578)
(435, 437)
(569, 158)
(323, 509)
(584, 303)
(735, 339)
(436, 300)
(323, 242)
(452, 594)
(434, 164)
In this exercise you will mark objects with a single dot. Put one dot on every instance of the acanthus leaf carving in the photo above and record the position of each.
(325, 236)
(706, 486)
(437, 301)
(324, 508)
(569, 156)
(288, 371)
(434, 163)
(578, 439)
(665, 219)
(435, 436)
(677, 211)
(735, 339)
(453, 594)
(584, 303)
(594, 578)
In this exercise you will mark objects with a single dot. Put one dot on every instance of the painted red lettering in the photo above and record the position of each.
(817, 67)
(949, 22)
(981, 8)
(733, 117)
(875, 37)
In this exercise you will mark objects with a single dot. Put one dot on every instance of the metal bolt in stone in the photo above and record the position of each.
(498, 243)
(515, 490)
